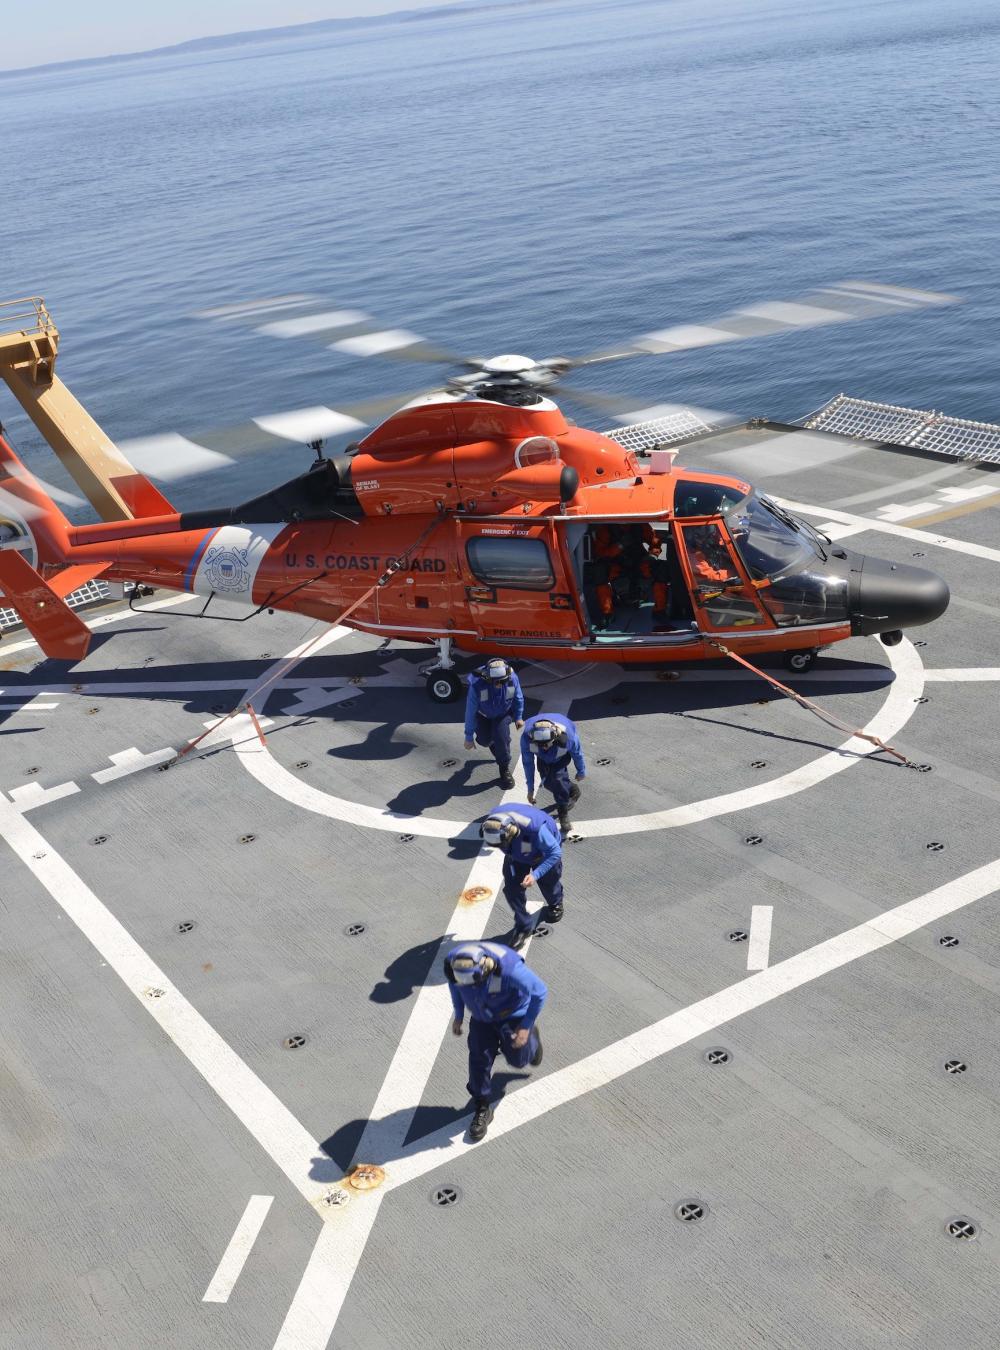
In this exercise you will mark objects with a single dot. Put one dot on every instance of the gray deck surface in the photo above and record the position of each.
(830, 1151)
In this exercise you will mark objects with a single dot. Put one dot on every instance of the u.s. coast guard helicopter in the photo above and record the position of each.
(474, 517)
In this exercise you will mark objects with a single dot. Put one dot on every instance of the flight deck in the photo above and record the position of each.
(768, 1109)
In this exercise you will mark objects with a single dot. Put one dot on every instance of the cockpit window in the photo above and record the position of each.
(770, 541)
(705, 499)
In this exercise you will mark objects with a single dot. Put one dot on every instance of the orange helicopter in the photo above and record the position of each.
(477, 517)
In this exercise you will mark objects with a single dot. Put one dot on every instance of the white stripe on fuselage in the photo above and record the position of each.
(228, 568)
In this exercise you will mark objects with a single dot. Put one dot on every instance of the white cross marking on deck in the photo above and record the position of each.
(131, 761)
(556, 1089)
(30, 795)
(901, 510)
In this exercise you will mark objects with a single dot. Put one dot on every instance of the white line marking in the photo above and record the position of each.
(540, 1096)
(327, 1278)
(372, 344)
(253, 1103)
(312, 700)
(834, 530)
(308, 424)
(103, 619)
(313, 323)
(30, 795)
(902, 531)
(963, 676)
(967, 494)
(759, 947)
(27, 707)
(240, 1245)
(902, 510)
(131, 761)
(898, 708)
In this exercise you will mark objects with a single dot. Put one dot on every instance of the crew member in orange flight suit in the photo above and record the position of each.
(709, 559)
(626, 549)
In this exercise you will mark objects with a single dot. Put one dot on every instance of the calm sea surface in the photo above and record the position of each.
(547, 179)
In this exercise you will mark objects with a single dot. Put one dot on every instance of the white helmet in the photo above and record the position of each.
(498, 831)
(497, 670)
(544, 733)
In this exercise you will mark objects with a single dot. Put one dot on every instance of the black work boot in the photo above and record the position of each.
(519, 938)
(506, 777)
(536, 1058)
(554, 913)
(480, 1121)
(565, 824)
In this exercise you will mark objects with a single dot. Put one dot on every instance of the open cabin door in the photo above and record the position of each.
(518, 586)
(722, 594)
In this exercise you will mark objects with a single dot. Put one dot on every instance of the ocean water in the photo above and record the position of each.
(554, 177)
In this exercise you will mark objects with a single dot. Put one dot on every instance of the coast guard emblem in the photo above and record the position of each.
(227, 569)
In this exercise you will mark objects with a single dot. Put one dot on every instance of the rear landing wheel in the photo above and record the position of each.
(799, 661)
(443, 686)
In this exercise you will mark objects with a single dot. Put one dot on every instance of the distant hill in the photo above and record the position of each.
(260, 35)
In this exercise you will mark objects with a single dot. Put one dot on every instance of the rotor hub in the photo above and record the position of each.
(508, 365)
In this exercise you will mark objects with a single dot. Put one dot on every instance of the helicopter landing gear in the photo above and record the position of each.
(800, 661)
(444, 685)
(891, 639)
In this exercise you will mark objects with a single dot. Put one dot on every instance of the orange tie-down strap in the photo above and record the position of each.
(281, 670)
(814, 707)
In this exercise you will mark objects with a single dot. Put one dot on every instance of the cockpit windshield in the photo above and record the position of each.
(770, 541)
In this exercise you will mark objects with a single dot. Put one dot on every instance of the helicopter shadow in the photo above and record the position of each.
(381, 711)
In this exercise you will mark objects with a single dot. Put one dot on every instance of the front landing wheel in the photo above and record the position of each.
(800, 661)
(443, 686)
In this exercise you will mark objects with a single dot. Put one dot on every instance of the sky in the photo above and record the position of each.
(67, 30)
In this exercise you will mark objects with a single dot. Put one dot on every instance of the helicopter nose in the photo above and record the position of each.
(893, 596)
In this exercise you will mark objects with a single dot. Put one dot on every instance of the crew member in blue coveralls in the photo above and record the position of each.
(532, 853)
(494, 701)
(504, 998)
(553, 740)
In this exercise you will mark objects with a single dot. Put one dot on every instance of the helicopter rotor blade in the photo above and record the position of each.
(682, 418)
(170, 455)
(843, 302)
(339, 328)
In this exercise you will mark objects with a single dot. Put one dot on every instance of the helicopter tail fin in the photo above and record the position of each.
(59, 632)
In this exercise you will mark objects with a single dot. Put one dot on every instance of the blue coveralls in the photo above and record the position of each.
(489, 712)
(537, 849)
(553, 759)
(508, 1001)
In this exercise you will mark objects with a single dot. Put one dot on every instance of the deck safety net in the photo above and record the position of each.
(661, 431)
(931, 430)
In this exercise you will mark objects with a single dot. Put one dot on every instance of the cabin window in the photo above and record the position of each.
(523, 564)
